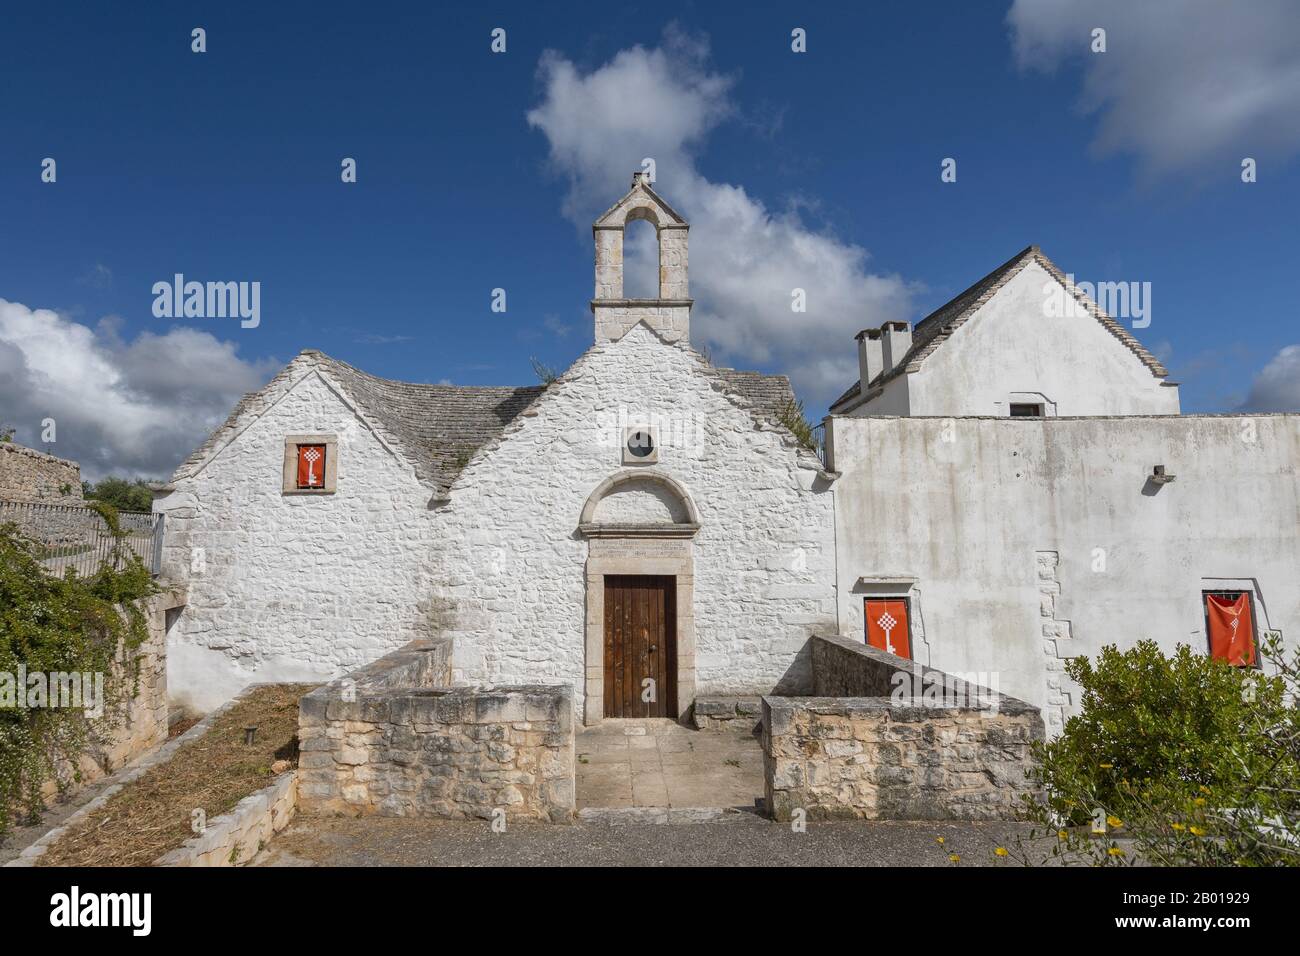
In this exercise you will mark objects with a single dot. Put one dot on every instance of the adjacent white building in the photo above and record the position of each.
(1006, 486)
(1024, 340)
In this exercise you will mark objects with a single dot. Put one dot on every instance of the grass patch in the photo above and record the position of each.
(151, 816)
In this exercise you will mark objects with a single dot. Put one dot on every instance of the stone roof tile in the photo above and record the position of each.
(438, 428)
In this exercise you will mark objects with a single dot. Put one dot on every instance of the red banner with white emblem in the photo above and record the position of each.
(311, 466)
(1232, 630)
(888, 626)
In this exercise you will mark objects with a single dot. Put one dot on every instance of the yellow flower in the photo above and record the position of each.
(1203, 788)
(1114, 821)
(939, 840)
(954, 857)
(1062, 835)
(1178, 827)
(1199, 801)
(1000, 851)
(1107, 766)
(1197, 831)
(1115, 851)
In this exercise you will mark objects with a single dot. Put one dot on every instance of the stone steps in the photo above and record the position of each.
(624, 816)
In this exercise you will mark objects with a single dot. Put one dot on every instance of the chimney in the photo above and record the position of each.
(896, 339)
(870, 360)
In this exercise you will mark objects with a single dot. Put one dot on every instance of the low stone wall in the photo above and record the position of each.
(896, 742)
(29, 475)
(395, 739)
(845, 667)
(737, 715)
(234, 838)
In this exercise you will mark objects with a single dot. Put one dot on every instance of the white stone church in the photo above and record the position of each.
(1004, 487)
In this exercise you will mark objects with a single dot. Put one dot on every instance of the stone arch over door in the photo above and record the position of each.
(648, 532)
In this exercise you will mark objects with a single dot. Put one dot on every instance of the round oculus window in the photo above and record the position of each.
(640, 443)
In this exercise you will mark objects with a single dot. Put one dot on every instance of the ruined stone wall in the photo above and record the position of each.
(392, 739)
(30, 475)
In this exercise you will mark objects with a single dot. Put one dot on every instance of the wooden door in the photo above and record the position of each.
(640, 646)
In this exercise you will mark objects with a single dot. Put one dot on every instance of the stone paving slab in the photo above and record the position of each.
(660, 764)
(738, 839)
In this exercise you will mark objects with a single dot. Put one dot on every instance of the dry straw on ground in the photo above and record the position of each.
(153, 815)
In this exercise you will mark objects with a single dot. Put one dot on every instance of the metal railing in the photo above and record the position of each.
(819, 443)
(68, 536)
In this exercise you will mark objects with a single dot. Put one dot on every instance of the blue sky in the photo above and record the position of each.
(479, 171)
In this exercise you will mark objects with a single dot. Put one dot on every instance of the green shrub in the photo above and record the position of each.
(59, 624)
(791, 415)
(1176, 760)
(121, 494)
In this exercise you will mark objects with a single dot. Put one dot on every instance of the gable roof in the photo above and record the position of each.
(438, 428)
(937, 327)
(434, 427)
(640, 195)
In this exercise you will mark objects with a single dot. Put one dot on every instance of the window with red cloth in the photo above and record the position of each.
(311, 466)
(1230, 626)
(889, 625)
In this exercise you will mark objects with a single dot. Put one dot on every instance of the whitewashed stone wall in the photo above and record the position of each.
(1033, 541)
(308, 587)
(1010, 350)
(511, 572)
(294, 587)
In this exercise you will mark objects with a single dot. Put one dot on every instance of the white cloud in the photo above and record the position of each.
(745, 259)
(98, 276)
(127, 408)
(1277, 386)
(1184, 84)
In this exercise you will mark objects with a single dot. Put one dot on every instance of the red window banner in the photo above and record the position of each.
(311, 466)
(1231, 627)
(888, 627)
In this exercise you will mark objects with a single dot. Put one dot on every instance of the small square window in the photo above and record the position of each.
(310, 464)
(1026, 410)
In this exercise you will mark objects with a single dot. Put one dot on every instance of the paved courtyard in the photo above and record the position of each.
(660, 763)
(738, 839)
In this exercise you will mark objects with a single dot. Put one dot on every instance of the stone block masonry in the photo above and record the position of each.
(727, 714)
(963, 753)
(32, 476)
(394, 739)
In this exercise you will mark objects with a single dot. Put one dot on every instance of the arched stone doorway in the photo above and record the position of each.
(639, 527)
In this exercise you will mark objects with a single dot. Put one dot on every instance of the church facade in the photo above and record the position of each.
(644, 517)
(995, 494)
